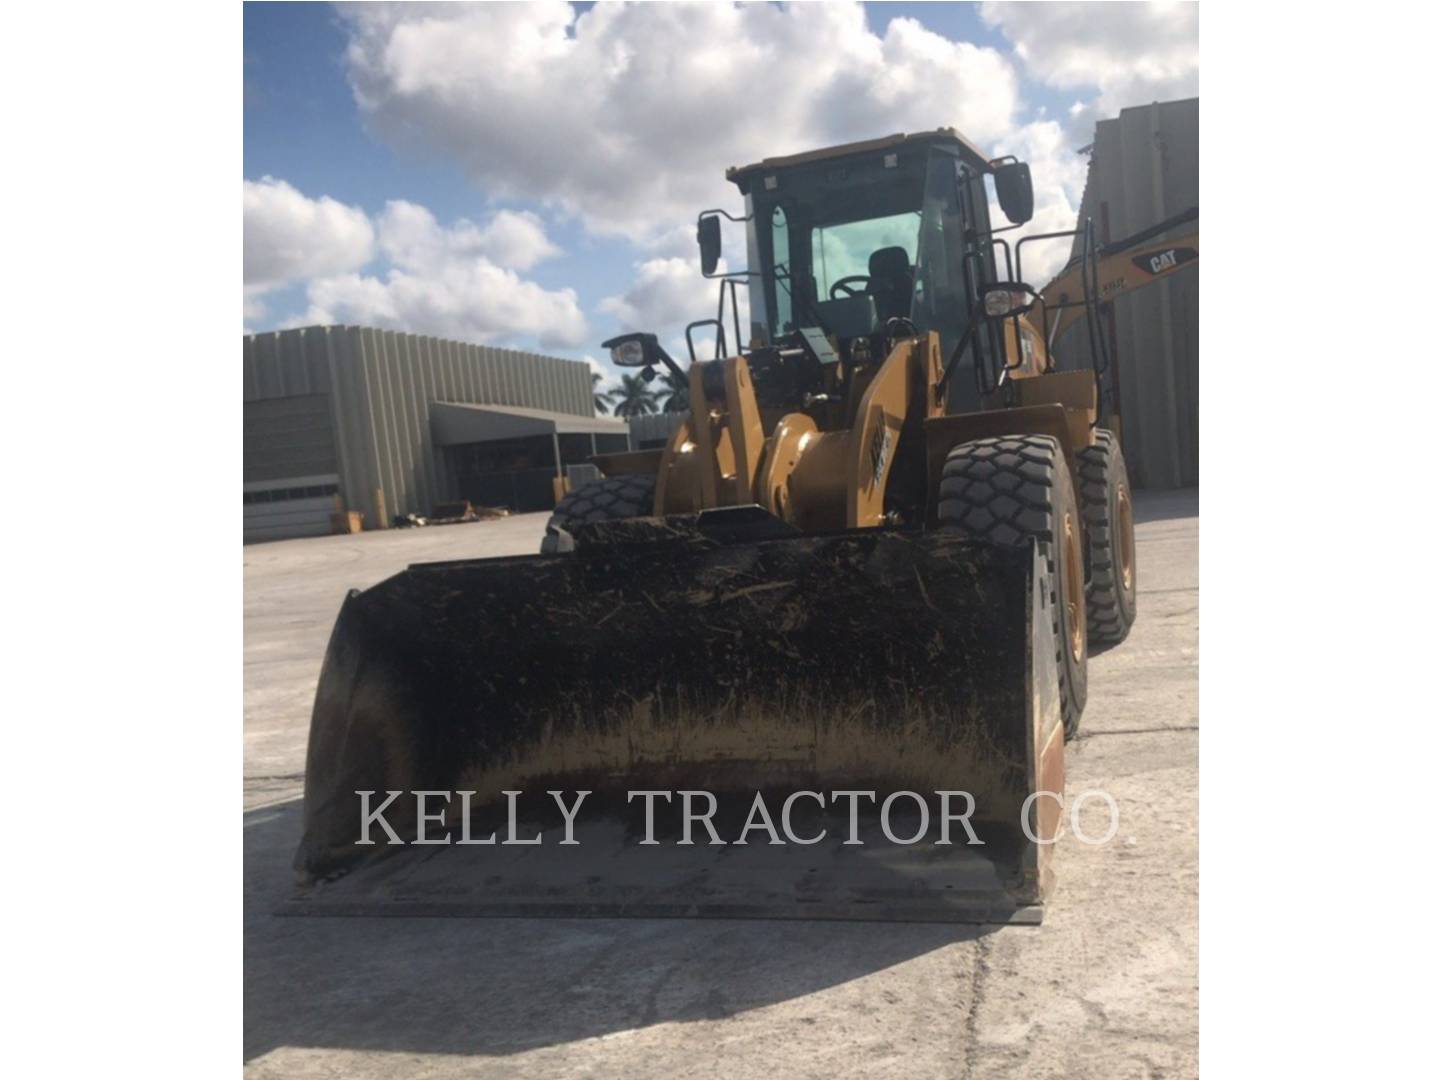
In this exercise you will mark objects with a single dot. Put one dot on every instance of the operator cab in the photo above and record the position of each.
(850, 249)
(867, 242)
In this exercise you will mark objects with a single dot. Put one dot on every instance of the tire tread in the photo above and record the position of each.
(1106, 617)
(606, 499)
(1002, 490)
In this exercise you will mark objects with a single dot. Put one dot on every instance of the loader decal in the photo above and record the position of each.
(880, 445)
(1162, 262)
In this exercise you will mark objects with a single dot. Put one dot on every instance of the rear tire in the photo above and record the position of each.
(1110, 538)
(1007, 491)
(607, 499)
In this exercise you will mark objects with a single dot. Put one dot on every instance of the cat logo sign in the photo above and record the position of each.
(1162, 262)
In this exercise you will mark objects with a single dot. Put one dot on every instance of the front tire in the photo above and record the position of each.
(607, 499)
(1013, 489)
(1110, 538)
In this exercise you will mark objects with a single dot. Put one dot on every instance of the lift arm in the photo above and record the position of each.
(1123, 267)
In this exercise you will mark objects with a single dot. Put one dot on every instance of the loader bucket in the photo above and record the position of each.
(672, 661)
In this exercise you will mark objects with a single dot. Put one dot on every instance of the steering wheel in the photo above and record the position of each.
(846, 286)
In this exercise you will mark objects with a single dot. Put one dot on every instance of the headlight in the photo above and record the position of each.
(1002, 302)
(628, 354)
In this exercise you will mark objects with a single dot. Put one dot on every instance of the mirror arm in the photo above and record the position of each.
(723, 213)
(668, 361)
(724, 275)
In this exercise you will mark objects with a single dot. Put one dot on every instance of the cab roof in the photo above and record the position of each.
(969, 153)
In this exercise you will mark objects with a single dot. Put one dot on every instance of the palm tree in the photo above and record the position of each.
(603, 398)
(636, 397)
(676, 391)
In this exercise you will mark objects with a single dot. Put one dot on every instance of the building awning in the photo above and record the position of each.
(453, 423)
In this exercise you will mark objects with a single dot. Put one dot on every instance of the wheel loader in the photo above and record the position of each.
(856, 590)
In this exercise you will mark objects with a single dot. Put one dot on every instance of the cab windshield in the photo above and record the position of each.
(887, 226)
(843, 250)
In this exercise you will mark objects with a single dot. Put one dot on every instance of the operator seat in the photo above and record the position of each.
(892, 280)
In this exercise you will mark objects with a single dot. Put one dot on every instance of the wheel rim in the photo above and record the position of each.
(1126, 525)
(1074, 589)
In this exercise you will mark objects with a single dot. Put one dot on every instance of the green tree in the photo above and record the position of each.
(603, 398)
(675, 391)
(636, 397)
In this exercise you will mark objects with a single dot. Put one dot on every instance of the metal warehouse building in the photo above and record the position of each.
(1144, 169)
(388, 424)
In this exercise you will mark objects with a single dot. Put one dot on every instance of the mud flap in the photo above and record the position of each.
(667, 661)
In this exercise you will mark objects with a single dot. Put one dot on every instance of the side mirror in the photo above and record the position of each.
(707, 232)
(1005, 299)
(1014, 190)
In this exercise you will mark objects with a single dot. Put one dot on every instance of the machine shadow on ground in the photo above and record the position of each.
(495, 987)
(1167, 505)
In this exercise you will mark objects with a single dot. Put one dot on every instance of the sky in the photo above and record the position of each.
(528, 174)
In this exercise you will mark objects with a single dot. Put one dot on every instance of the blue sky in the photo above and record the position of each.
(538, 188)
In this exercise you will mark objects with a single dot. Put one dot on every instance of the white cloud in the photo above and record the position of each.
(253, 307)
(471, 300)
(517, 239)
(609, 375)
(289, 237)
(625, 117)
(668, 294)
(628, 114)
(460, 281)
(1132, 54)
(411, 237)
(1128, 54)
(642, 106)
(448, 281)
(665, 293)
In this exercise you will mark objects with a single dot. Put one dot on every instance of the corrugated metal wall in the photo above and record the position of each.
(289, 436)
(379, 385)
(1145, 167)
(654, 428)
